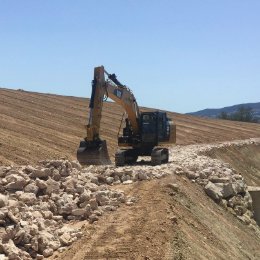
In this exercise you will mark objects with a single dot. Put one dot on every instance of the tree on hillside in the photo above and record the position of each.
(223, 115)
(243, 114)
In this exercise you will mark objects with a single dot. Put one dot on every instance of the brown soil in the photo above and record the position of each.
(244, 159)
(148, 229)
(36, 126)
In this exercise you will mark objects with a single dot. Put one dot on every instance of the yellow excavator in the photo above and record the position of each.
(143, 134)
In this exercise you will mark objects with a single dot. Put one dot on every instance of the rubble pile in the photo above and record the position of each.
(37, 202)
(220, 181)
(125, 175)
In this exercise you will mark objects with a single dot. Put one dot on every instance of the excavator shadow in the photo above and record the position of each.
(144, 163)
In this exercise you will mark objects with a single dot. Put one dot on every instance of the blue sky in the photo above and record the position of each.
(181, 55)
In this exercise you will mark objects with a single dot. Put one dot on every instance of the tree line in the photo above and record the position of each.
(244, 114)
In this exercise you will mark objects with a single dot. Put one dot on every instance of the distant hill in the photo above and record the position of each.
(215, 112)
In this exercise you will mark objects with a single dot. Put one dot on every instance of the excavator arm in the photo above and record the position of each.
(124, 97)
(93, 150)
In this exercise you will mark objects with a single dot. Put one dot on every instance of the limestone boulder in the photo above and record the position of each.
(31, 188)
(192, 175)
(52, 186)
(41, 184)
(15, 182)
(3, 200)
(228, 190)
(27, 198)
(42, 173)
(142, 176)
(213, 191)
(65, 204)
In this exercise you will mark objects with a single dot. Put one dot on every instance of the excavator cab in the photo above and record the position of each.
(148, 128)
(155, 127)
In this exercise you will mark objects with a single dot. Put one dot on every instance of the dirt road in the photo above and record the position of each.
(166, 225)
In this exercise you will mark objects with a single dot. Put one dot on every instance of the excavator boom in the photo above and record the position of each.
(93, 150)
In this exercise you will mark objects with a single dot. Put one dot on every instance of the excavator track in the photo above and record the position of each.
(159, 155)
(124, 157)
(120, 158)
(93, 153)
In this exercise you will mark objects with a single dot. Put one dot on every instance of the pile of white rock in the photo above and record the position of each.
(37, 202)
(220, 181)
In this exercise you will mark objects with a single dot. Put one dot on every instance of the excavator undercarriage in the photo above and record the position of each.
(158, 156)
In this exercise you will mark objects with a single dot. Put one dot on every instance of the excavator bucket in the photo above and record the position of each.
(93, 153)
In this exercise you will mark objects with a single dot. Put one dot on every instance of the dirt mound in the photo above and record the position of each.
(38, 126)
(245, 159)
(36, 203)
